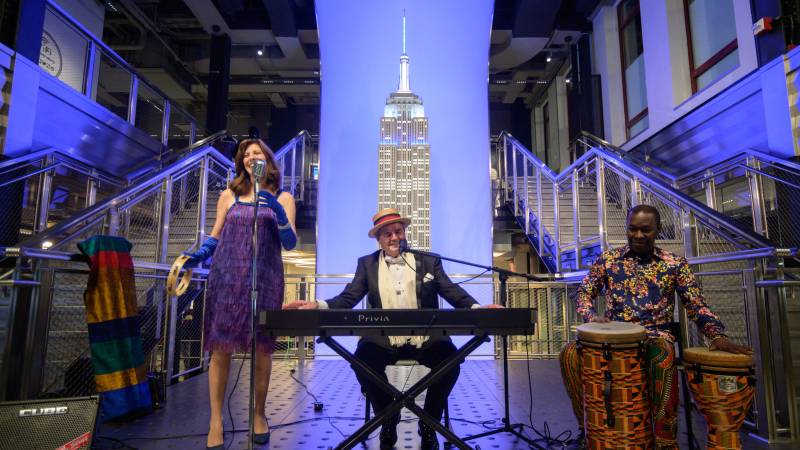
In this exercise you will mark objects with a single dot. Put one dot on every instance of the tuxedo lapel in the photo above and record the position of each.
(372, 281)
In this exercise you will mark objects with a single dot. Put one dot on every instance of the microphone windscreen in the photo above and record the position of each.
(259, 167)
(403, 245)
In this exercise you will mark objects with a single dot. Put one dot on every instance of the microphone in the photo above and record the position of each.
(404, 248)
(259, 167)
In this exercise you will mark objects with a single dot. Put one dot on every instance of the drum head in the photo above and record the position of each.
(716, 358)
(611, 332)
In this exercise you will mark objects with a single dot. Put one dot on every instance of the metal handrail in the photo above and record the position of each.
(715, 169)
(624, 155)
(110, 52)
(658, 187)
(95, 212)
(144, 167)
(63, 160)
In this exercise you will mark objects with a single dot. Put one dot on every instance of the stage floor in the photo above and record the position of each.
(476, 405)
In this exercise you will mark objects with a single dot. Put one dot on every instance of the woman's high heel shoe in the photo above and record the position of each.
(261, 438)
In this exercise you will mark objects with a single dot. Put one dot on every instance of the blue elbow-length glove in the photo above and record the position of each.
(202, 254)
(285, 231)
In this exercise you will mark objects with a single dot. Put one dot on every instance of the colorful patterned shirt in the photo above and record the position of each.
(644, 292)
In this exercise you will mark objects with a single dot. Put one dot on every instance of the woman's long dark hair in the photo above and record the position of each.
(241, 184)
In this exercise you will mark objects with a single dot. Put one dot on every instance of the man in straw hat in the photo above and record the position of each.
(392, 280)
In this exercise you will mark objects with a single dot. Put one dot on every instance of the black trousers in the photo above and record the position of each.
(433, 352)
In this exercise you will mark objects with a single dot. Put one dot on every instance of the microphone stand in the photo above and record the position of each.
(253, 305)
(503, 274)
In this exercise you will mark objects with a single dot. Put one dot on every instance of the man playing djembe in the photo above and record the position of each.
(640, 281)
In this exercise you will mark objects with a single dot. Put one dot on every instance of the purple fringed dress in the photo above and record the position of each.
(227, 317)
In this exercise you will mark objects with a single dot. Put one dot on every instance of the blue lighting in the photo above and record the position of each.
(447, 44)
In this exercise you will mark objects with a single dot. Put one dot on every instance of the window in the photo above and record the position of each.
(711, 35)
(634, 89)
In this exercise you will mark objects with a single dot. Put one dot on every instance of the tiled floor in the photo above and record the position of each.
(476, 405)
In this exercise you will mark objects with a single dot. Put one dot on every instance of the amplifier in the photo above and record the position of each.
(59, 424)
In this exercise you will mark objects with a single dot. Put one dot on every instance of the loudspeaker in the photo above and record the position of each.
(60, 424)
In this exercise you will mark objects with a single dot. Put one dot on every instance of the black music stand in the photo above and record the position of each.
(503, 274)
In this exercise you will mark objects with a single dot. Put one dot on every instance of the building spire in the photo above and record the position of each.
(404, 81)
(404, 31)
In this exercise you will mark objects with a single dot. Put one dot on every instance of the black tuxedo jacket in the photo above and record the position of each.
(365, 281)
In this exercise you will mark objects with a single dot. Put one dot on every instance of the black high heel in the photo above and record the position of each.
(261, 438)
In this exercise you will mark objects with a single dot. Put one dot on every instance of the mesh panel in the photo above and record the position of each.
(781, 200)
(618, 195)
(532, 200)
(565, 221)
(141, 225)
(92, 229)
(726, 297)
(556, 317)
(19, 218)
(150, 299)
(671, 235)
(184, 213)
(5, 311)
(68, 367)
(793, 319)
(548, 211)
(189, 329)
(587, 204)
(709, 242)
(734, 200)
(519, 183)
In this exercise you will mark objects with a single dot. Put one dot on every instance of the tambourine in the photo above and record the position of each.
(175, 287)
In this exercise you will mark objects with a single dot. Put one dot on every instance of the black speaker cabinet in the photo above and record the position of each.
(57, 424)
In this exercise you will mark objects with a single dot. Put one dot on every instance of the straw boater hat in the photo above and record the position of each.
(385, 217)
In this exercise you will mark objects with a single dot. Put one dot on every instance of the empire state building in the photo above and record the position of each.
(404, 158)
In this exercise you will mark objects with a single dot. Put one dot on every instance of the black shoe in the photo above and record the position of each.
(388, 436)
(216, 447)
(261, 438)
(429, 440)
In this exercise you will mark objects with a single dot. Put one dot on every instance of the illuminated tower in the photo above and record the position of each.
(404, 159)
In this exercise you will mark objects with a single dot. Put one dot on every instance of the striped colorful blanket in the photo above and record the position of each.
(110, 299)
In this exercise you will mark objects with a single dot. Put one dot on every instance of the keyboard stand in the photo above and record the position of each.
(406, 398)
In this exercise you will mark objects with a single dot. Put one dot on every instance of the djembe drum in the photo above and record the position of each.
(616, 405)
(723, 386)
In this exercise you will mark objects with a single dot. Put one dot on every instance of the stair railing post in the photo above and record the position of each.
(113, 222)
(710, 189)
(202, 199)
(91, 188)
(576, 217)
(43, 199)
(539, 206)
(527, 198)
(557, 225)
(600, 173)
(691, 241)
(636, 192)
(169, 305)
(514, 177)
(293, 167)
(302, 187)
(756, 186)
